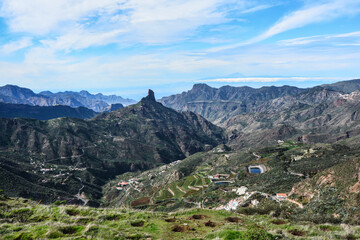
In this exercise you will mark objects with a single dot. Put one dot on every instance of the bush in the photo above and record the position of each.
(138, 223)
(257, 233)
(72, 212)
(251, 234)
(57, 203)
(21, 215)
(71, 229)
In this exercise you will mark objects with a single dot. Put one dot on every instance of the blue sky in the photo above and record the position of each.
(127, 46)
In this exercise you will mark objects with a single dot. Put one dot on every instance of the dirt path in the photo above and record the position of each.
(296, 174)
(256, 155)
(180, 189)
(295, 202)
(171, 191)
(198, 205)
(78, 195)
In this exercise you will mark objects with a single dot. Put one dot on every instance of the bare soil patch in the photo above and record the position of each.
(278, 222)
(198, 216)
(234, 219)
(297, 232)
(210, 224)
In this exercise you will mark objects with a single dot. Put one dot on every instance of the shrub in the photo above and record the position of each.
(138, 223)
(21, 215)
(71, 229)
(72, 212)
(251, 234)
(57, 203)
(24, 236)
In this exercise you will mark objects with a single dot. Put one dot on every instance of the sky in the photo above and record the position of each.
(124, 47)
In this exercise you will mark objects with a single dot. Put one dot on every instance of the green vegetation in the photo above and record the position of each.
(74, 222)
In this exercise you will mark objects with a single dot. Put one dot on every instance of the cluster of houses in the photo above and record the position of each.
(219, 176)
(175, 163)
(76, 169)
(244, 195)
(220, 179)
(122, 184)
(44, 170)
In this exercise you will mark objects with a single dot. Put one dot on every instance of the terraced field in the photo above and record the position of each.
(185, 188)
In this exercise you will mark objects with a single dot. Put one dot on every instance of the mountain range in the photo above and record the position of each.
(53, 159)
(98, 103)
(259, 116)
(197, 148)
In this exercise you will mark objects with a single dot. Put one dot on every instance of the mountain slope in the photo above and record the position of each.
(71, 153)
(218, 104)
(344, 86)
(333, 193)
(110, 99)
(8, 110)
(318, 115)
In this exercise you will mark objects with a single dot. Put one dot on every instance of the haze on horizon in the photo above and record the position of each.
(125, 47)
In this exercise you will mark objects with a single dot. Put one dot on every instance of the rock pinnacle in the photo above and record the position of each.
(151, 95)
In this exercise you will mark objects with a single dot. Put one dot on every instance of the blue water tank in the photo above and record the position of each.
(255, 170)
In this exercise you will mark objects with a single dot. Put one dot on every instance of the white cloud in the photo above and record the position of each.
(16, 45)
(80, 38)
(44, 16)
(76, 24)
(351, 38)
(325, 11)
(256, 8)
(312, 14)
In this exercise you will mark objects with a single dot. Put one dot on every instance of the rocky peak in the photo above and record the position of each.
(150, 96)
(201, 87)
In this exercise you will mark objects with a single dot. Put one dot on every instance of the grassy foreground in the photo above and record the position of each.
(24, 219)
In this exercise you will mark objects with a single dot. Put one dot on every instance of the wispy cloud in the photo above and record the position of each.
(151, 21)
(256, 8)
(80, 39)
(16, 45)
(41, 16)
(346, 39)
(310, 14)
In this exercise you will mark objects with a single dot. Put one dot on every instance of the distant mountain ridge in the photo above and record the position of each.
(109, 99)
(326, 113)
(98, 102)
(217, 103)
(344, 86)
(9, 110)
